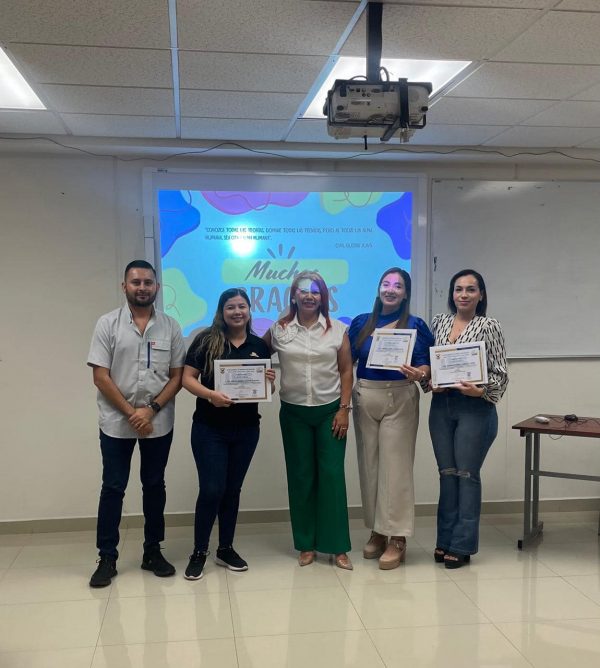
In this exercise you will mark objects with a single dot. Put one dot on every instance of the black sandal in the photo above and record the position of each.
(438, 555)
(456, 560)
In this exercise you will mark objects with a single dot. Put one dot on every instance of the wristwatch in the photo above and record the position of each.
(154, 406)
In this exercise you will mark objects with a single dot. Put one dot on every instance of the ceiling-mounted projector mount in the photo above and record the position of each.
(374, 107)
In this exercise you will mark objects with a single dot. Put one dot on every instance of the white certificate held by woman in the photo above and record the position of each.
(391, 348)
(243, 380)
(458, 362)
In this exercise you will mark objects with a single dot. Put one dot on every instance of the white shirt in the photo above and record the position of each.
(308, 356)
(139, 365)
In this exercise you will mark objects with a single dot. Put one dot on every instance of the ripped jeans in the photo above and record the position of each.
(462, 430)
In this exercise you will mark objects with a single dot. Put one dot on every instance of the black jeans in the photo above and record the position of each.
(116, 462)
(223, 456)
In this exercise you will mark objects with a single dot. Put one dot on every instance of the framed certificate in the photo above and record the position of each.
(391, 348)
(243, 380)
(461, 361)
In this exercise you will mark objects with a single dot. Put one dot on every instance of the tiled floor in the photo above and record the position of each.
(537, 608)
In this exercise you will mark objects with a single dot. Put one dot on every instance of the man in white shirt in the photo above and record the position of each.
(137, 355)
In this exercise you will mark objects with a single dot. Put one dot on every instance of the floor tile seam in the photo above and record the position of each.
(471, 600)
(547, 620)
(351, 602)
(478, 578)
(239, 636)
(122, 597)
(231, 617)
(199, 594)
(163, 642)
(99, 632)
(447, 580)
(596, 570)
(383, 662)
(512, 644)
(428, 626)
(196, 638)
(320, 588)
(12, 561)
(579, 591)
(74, 600)
(4, 604)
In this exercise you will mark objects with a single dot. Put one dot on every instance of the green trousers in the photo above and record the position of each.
(314, 461)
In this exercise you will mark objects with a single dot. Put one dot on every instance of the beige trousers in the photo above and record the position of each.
(386, 417)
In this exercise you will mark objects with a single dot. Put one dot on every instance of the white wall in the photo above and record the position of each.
(69, 226)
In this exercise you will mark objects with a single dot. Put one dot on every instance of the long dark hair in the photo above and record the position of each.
(213, 340)
(315, 277)
(404, 311)
(482, 305)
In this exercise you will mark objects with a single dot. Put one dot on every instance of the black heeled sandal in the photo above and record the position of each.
(456, 560)
(438, 555)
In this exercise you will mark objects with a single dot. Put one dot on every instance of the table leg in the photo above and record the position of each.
(536, 483)
(527, 494)
(532, 528)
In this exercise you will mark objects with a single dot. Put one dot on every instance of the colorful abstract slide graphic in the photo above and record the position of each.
(259, 241)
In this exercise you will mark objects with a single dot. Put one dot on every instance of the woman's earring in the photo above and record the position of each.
(293, 301)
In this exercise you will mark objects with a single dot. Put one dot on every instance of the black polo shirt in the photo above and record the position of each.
(244, 414)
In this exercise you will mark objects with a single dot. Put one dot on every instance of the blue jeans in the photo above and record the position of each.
(116, 462)
(462, 430)
(223, 456)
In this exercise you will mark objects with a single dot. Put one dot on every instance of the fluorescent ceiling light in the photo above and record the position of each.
(15, 92)
(438, 72)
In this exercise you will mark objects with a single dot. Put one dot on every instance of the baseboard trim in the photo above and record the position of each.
(282, 515)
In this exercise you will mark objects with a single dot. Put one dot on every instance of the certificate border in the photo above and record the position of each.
(266, 363)
(461, 346)
(387, 331)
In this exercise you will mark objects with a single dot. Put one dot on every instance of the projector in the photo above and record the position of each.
(356, 108)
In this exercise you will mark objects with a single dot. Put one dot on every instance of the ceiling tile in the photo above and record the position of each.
(31, 122)
(592, 143)
(569, 114)
(455, 135)
(315, 130)
(543, 137)
(580, 5)
(232, 130)
(227, 104)
(135, 23)
(528, 81)
(120, 126)
(262, 26)
(459, 111)
(442, 32)
(107, 100)
(248, 72)
(558, 37)
(592, 93)
(514, 4)
(96, 66)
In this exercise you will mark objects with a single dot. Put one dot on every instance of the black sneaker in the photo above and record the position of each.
(107, 569)
(155, 562)
(195, 569)
(228, 557)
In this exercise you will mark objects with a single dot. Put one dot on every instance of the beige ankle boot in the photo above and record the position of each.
(394, 554)
(375, 547)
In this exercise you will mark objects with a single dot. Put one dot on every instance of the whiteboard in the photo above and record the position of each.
(537, 246)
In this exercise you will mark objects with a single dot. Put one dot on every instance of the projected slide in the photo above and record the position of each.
(211, 241)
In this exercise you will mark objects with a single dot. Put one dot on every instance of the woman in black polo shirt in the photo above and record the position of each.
(224, 433)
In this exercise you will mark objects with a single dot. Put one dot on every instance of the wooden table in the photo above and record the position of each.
(531, 430)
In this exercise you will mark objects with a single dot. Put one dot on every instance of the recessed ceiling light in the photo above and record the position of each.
(438, 72)
(15, 92)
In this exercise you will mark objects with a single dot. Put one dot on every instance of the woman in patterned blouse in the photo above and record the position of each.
(462, 421)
